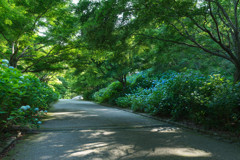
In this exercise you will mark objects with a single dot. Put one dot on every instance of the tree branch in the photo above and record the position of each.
(3, 55)
(23, 52)
(41, 58)
(225, 14)
(236, 32)
(236, 12)
(215, 21)
(197, 45)
(224, 47)
(4, 36)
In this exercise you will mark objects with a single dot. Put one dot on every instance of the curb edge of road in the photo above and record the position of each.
(215, 135)
(11, 141)
(7, 144)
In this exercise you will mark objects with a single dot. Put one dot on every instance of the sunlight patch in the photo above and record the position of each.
(88, 149)
(166, 130)
(100, 133)
(183, 152)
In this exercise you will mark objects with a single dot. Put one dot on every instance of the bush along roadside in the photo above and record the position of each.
(24, 100)
(211, 101)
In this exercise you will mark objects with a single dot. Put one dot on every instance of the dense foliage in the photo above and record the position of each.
(110, 93)
(81, 48)
(23, 98)
(212, 101)
(33, 34)
(210, 26)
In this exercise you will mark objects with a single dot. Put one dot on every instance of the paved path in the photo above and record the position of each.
(86, 131)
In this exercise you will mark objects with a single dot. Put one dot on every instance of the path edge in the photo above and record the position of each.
(8, 143)
(215, 135)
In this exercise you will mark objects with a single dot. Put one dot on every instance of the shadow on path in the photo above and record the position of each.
(78, 133)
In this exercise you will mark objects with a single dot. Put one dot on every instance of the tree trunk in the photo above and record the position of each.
(123, 81)
(237, 75)
(13, 59)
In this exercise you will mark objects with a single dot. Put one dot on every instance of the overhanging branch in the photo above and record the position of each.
(197, 45)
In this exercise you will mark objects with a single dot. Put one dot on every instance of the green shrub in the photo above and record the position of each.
(223, 108)
(181, 89)
(88, 95)
(124, 102)
(109, 94)
(212, 101)
(142, 80)
(60, 89)
(23, 98)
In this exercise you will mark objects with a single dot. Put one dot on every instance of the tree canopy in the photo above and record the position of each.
(110, 39)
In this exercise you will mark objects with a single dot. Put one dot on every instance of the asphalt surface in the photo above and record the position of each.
(81, 130)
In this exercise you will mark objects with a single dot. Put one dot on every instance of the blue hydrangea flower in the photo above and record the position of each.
(11, 67)
(20, 82)
(4, 65)
(5, 61)
(36, 109)
(24, 108)
(28, 107)
(22, 77)
(39, 122)
(45, 111)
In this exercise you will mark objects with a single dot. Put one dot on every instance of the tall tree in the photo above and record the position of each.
(210, 25)
(106, 29)
(32, 31)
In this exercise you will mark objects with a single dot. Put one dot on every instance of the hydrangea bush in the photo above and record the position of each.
(212, 101)
(23, 98)
(109, 94)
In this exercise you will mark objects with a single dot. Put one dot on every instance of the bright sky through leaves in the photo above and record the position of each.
(75, 1)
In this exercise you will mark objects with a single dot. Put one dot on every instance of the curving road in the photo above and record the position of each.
(81, 130)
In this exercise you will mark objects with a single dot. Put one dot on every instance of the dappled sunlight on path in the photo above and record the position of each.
(114, 144)
(84, 130)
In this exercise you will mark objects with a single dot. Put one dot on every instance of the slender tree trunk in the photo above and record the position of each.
(123, 81)
(237, 75)
(237, 63)
(13, 59)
